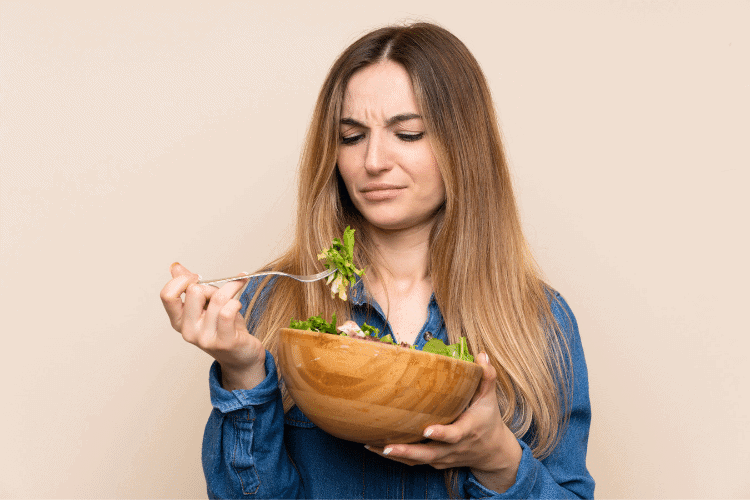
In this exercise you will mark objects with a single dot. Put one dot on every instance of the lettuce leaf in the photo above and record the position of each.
(315, 324)
(341, 257)
(458, 350)
(370, 331)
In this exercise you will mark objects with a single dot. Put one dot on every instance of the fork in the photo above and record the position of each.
(305, 279)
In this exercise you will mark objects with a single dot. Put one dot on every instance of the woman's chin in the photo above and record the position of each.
(393, 224)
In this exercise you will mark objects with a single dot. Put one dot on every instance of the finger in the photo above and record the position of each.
(388, 452)
(196, 298)
(441, 433)
(437, 455)
(226, 327)
(453, 433)
(462, 427)
(240, 323)
(220, 298)
(178, 269)
(171, 298)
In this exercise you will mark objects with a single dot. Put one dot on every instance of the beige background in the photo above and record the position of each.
(137, 135)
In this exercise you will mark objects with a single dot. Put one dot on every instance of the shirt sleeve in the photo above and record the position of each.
(562, 474)
(243, 445)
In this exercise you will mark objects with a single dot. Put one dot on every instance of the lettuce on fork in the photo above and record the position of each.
(341, 256)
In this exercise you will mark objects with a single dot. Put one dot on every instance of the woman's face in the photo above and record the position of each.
(384, 156)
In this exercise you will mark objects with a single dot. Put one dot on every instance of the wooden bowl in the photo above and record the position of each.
(372, 392)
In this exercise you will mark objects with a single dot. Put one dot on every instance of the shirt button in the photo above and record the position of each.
(427, 335)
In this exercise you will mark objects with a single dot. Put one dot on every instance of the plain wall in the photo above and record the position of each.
(139, 134)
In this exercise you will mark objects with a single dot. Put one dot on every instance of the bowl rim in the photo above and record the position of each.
(397, 348)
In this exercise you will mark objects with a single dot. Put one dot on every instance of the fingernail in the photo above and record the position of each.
(367, 447)
(173, 264)
(428, 433)
(387, 451)
(200, 278)
(485, 357)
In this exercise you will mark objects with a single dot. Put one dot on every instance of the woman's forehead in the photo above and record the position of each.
(380, 90)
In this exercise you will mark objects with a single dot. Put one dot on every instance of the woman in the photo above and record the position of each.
(404, 147)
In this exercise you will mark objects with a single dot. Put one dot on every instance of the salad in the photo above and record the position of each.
(341, 257)
(459, 350)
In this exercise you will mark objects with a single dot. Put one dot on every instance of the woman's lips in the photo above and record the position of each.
(380, 192)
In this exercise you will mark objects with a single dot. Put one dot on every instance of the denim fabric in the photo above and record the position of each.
(252, 450)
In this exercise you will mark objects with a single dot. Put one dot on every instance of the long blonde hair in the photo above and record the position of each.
(485, 280)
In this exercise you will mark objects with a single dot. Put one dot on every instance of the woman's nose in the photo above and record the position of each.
(376, 157)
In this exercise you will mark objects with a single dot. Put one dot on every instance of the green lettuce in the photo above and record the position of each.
(318, 324)
(459, 350)
(341, 257)
(315, 324)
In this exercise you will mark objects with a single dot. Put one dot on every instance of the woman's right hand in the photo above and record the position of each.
(210, 318)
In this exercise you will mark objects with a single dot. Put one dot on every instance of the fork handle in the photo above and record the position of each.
(227, 280)
(304, 279)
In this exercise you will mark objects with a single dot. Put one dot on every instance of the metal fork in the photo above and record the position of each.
(304, 279)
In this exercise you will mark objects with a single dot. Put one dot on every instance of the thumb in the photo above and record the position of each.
(489, 377)
(178, 269)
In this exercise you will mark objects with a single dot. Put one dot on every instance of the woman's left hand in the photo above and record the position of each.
(478, 439)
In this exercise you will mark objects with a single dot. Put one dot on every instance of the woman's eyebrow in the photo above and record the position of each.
(403, 117)
(352, 122)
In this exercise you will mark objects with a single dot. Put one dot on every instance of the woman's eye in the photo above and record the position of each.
(410, 137)
(351, 139)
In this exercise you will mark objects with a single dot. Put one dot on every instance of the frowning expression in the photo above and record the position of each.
(384, 156)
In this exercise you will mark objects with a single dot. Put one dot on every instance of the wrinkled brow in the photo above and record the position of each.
(392, 120)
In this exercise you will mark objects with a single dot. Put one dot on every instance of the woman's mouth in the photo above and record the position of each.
(380, 192)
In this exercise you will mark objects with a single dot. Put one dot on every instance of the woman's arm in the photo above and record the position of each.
(501, 468)
(563, 474)
(210, 319)
(478, 440)
(243, 448)
(243, 444)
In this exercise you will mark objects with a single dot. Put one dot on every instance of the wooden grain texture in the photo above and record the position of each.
(371, 392)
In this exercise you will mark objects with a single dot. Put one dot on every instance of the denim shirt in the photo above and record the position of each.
(251, 449)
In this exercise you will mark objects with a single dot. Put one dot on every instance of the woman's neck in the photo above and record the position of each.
(401, 256)
(401, 283)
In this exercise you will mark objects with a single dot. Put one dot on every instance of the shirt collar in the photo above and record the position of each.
(357, 294)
